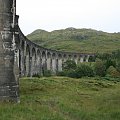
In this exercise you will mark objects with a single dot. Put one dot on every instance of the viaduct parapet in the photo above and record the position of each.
(21, 57)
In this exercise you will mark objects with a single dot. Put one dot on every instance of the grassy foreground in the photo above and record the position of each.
(60, 98)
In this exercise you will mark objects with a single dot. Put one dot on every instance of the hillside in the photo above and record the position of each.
(77, 40)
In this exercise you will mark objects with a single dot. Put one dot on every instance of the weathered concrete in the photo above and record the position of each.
(8, 52)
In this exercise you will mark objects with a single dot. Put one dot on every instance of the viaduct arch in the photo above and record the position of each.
(20, 57)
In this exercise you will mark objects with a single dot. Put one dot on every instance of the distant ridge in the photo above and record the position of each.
(77, 40)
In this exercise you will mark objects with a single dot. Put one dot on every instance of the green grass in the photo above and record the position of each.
(77, 40)
(61, 98)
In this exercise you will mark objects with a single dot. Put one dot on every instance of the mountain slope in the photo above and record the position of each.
(77, 40)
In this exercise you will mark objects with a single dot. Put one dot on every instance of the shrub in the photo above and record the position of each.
(61, 73)
(68, 73)
(36, 75)
(84, 70)
(69, 65)
(92, 59)
(100, 68)
(118, 66)
(109, 63)
(71, 73)
(47, 73)
(113, 72)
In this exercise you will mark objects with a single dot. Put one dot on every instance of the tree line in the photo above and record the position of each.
(104, 65)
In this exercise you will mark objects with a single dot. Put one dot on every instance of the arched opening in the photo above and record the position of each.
(91, 59)
(85, 57)
(70, 57)
(43, 62)
(22, 59)
(59, 62)
(38, 57)
(59, 56)
(27, 61)
(43, 54)
(33, 61)
(75, 59)
(82, 58)
(64, 58)
(17, 53)
(53, 55)
(38, 62)
(54, 63)
(49, 64)
(48, 55)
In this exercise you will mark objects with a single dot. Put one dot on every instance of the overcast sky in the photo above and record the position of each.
(59, 14)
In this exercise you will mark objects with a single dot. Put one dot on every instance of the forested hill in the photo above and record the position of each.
(77, 40)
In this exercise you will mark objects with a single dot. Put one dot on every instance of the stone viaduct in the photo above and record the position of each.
(34, 59)
(21, 57)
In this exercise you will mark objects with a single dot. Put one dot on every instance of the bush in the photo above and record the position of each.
(70, 69)
(61, 73)
(69, 65)
(84, 70)
(109, 63)
(100, 68)
(47, 73)
(68, 73)
(71, 73)
(113, 72)
(118, 66)
(36, 75)
(92, 59)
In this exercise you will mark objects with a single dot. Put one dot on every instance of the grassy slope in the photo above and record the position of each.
(78, 40)
(59, 98)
